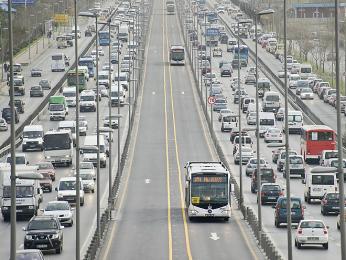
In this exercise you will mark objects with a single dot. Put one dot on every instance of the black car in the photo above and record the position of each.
(270, 192)
(36, 91)
(235, 64)
(226, 70)
(330, 203)
(88, 33)
(19, 105)
(44, 233)
(6, 114)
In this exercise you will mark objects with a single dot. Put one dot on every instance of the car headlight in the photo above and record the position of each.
(48, 157)
(60, 196)
(55, 236)
(67, 156)
(4, 208)
(40, 141)
(24, 142)
(28, 237)
(30, 207)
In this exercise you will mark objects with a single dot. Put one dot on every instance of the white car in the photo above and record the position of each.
(88, 175)
(114, 122)
(223, 112)
(306, 93)
(103, 91)
(251, 166)
(93, 55)
(106, 67)
(101, 52)
(273, 135)
(60, 209)
(251, 118)
(311, 232)
(246, 155)
(281, 74)
(3, 125)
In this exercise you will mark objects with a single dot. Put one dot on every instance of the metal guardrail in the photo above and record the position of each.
(94, 246)
(267, 245)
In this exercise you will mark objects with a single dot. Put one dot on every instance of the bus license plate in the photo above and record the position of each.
(209, 215)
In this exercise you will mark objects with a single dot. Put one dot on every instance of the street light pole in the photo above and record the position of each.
(239, 126)
(339, 134)
(110, 124)
(287, 169)
(12, 138)
(77, 254)
(118, 29)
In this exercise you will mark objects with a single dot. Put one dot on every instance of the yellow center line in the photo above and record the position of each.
(169, 226)
(182, 204)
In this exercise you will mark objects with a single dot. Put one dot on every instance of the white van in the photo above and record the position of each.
(91, 140)
(317, 184)
(117, 97)
(305, 71)
(271, 101)
(295, 122)
(85, 70)
(32, 137)
(266, 120)
(70, 96)
(296, 166)
(327, 155)
(228, 122)
(67, 190)
(69, 125)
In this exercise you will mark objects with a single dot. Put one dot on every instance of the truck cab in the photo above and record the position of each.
(57, 108)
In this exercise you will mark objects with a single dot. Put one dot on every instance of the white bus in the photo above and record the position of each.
(177, 55)
(58, 62)
(207, 190)
(58, 148)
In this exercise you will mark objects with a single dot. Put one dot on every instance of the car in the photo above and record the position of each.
(88, 175)
(3, 125)
(246, 155)
(46, 182)
(7, 115)
(83, 127)
(282, 157)
(280, 115)
(226, 70)
(125, 67)
(45, 84)
(236, 64)
(44, 233)
(87, 33)
(273, 134)
(330, 203)
(280, 213)
(114, 122)
(20, 159)
(36, 91)
(311, 232)
(252, 165)
(36, 72)
(106, 67)
(251, 118)
(103, 91)
(281, 73)
(250, 79)
(234, 83)
(338, 221)
(234, 133)
(220, 103)
(270, 192)
(19, 105)
(46, 167)
(276, 153)
(306, 93)
(222, 112)
(61, 210)
(29, 254)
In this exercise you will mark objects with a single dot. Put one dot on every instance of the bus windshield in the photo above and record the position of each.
(209, 190)
(320, 136)
(177, 54)
(57, 142)
(21, 191)
(294, 118)
(323, 179)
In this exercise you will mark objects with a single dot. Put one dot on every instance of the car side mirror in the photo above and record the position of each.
(62, 227)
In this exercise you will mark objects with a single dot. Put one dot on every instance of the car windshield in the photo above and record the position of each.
(21, 191)
(89, 150)
(271, 188)
(28, 256)
(332, 196)
(57, 206)
(43, 166)
(87, 98)
(295, 203)
(330, 155)
(274, 98)
(19, 160)
(296, 160)
(311, 224)
(32, 134)
(86, 176)
(67, 185)
(335, 163)
(42, 224)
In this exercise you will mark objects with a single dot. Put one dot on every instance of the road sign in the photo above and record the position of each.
(61, 18)
(211, 100)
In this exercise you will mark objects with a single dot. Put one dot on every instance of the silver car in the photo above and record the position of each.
(252, 165)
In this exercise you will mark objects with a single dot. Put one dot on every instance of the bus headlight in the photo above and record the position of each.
(193, 212)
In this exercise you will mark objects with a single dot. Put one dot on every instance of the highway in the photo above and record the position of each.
(170, 131)
(88, 211)
(279, 236)
(43, 62)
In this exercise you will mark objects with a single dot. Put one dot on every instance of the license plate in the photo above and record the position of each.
(313, 238)
(293, 212)
(271, 198)
(335, 207)
(41, 246)
(209, 215)
(19, 210)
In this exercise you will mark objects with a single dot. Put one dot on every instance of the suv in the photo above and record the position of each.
(6, 114)
(44, 233)
(280, 214)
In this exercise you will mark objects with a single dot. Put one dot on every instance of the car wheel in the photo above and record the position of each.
(299, 245)
(71, 224)
(59, 250)
(308, 199)
(82, 203)
(338, 225)
(325, 246)
(323, 212)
